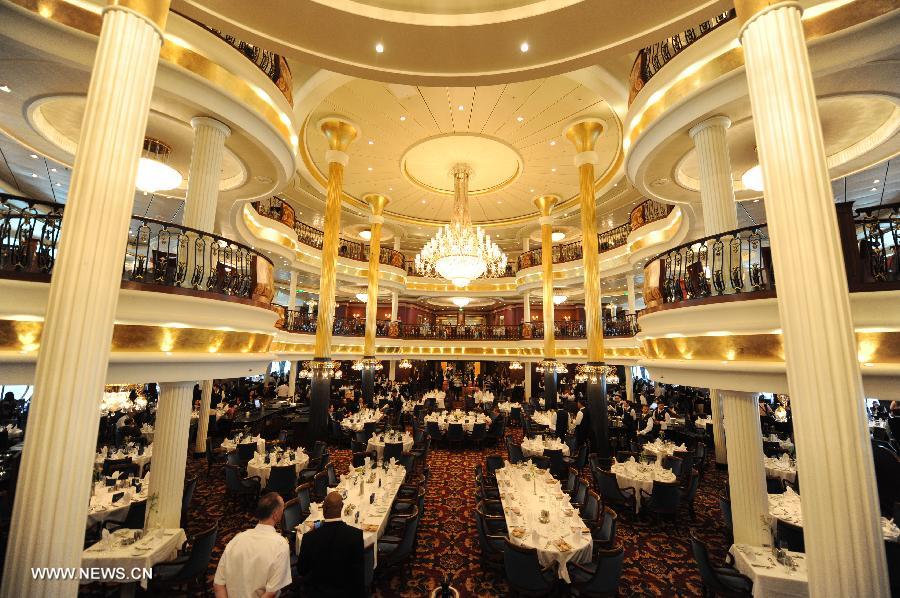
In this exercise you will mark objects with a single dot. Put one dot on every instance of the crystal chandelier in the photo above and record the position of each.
(460, 302)
(460, 252)
(515, 365)
(551, 365)
(367, 363)
(404, 364)
(591, 373)
(326, 368)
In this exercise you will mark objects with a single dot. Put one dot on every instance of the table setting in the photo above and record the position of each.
(775, 573)
(261, 464)
(640, 476)
(357, 421)
(112, 497)
(507, 406)
(132, 549)
(539, 515)
(230, 444)
(468, 419)
(368, 494)
(13, 431)
(140, 455)
(485, 396)
(787, 507)
(782, 467)
(377, 441)
(702, 422)
(663, 448)
(438, 396)
(535, 447)
(785, 445)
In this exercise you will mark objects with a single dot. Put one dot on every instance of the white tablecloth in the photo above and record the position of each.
(229, 444)
(786, 507)
(377, 444)
(639, 476)
(13, 432)
(770, 578)
(157, 546)
(358, 487)
(102, 508)
(663, 448)
(141, 460)
(438, 396)
(357, 421)
(545, 418)
(483, 396)
(506, 407)
(563, 537)
(781, 468)
(257, 466)
(534, 447)
(468, 420)
(701, 422)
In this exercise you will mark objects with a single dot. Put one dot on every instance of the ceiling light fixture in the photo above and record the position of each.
(34, 156)
(379, 47)
(5, 88)
(524, 47)
(876, 181)
(33, 175)
(559, 298)
(460, 302)
(364, 297)
(153, 173)
(461, 108)
(553, 142)
(874, 189)
(557, 236)
(461, 252)
(752, 179)
(365, 234)
(402, 118)
(520, 118)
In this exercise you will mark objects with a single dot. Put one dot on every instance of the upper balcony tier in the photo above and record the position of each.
(712, 306)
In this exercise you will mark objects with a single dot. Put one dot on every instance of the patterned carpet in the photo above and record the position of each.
(658, 559)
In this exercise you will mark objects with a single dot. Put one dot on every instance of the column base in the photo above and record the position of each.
(596, 403)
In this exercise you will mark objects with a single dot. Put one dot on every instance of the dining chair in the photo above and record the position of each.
(590, 508)
(290, 519)
(245, 452)
(608, 486)
(789, 535)
(320, 486)
(541, 462)
(491, 544)
(392, 450)
(455, 435)
(558, 467)
(689, 492)
(604, 532)
(188, 570)
(134, 519)
(395, 550)
(719, 581)
(282, 479)
(479, 432)
(673, 463)
(663, 499)
(493, 463)
(303, 492)
(524, 572)
(186, 496)
(239, 486)
(434, 431)
(514, 451)
(600, 577)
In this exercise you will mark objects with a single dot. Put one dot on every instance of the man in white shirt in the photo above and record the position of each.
(283, 391)
(257, 562)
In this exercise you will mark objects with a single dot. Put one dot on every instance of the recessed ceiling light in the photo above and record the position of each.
(876, 181)
(371, 142)
(402, 118)
(33, 175)
(59, 184)
(531, 190)
(461, 107)
(34, 156)
(524, 47)
(552, 170)
(379, 47)
(553, 142)
(370, 169)
(755, 201)
(499, 201)
(5, 88)
(423, 201)
(390, 188)
(520, 118)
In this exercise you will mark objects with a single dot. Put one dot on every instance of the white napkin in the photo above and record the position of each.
(104, 537)
(785, 459)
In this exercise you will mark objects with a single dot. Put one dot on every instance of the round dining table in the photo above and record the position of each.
(640, 476)
(377, 441)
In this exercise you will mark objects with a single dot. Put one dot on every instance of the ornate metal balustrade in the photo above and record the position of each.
(276, 209)
(870, 242)
(158, 253)
(613, 238)
(651, 59)
(730, 263)
(648, 211)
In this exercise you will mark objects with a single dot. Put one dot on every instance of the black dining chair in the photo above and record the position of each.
(604, 532)
(392, 450)
(455, 435)
(558, 467)
(479, 432)
(245, 452)
(663, 499)
(189, 570)
(789, 535)
(541, 462)
(719, 581)
(290, 519)
(303, 492)
(112, 465)
(186, 496)
(514, 451)
(491, 544)
(434, 431)
(524, 572)
(282, 479)
(394, 550)
(134, 519)
(609, 489)
(320, 486)
(600, 577)
(240, 487)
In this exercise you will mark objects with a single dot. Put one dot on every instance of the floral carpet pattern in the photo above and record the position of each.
(658, 559)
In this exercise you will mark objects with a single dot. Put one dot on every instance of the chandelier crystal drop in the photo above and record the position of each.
(461, 252)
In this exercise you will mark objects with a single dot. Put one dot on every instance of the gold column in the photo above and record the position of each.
(376, 203)
(340, 133)
(584, 134)
(545, 204)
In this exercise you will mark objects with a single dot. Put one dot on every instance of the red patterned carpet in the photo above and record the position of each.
(658, 559)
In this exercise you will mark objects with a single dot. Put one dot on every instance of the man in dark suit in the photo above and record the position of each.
(331, 559)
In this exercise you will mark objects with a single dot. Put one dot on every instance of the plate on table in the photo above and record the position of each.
(518, 532)
(370, 527)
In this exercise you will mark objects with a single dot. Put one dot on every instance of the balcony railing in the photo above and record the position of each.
(301, 321)
(651, 59)
(158, 253)
(870, 242)
(282, 212)
(645, 213)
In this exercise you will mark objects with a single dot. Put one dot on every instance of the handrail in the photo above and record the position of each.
(870, 238)
(651, 59)
(301, 321)
(157, 253)
(648, 211)
(276, 209)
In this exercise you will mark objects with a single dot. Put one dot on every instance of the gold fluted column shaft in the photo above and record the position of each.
(591, 261)
(377, 204)
(545, 204)
(328, 278)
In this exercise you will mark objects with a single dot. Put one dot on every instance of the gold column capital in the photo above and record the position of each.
(377, 202)
(546, 203)
(584, 133)
(155, 11)
(339, 131)
(747, 9)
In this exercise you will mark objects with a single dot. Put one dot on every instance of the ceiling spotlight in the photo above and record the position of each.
(524, 47)
(34, 156)
(874, 189)
(153, 173)
(461, 108)
(876, 181)
(369, 169)
(402, 118)
(557, 236)
(520, 118)
(531, 190)
(423, 201)
(553, 170)
(5, 88)
(52, 170)
(33, 175)
(379, 47)
(365, 234)
(460, 302)
(371, 142)
(752, 179)
(553, 142)
(59, 184)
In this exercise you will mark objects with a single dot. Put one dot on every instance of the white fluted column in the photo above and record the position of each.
(526, 307)
(205, 172)
(841, 516)
(629, 384)
(202, 421)
(55, 475)
(292, 378)
(395, 312)
(526, 244)
(718, 423)
(746, 469)
(526, 367)
(716, 188)
(170, 440)
(632, 300)
(292, 292)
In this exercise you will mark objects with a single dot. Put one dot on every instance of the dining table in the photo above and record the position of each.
(539, 515)
(378, 440)
(483, 396)
(663, 448)
(126, 492)
(640, 476)
(141, 458)
(772, 577)
(261, 464)
(787, 507)
(357, 421)
(468, 419)
(535, 447)
(230, 444)
(438, 396)
(133, 552)
(783, 468)
(368, 494)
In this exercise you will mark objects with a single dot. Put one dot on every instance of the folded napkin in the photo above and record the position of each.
(785, 459)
